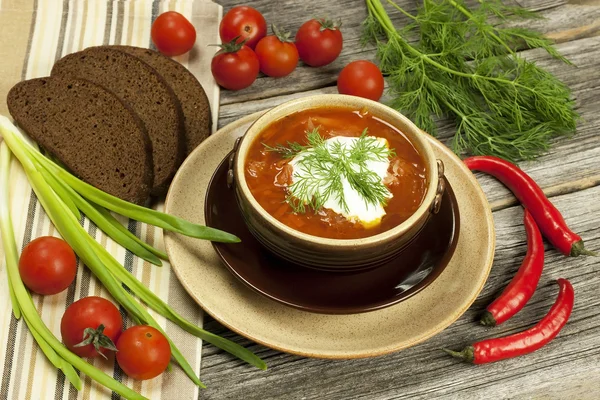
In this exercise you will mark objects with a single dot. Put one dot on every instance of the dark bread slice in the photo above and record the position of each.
(146, 92)
(89, 130)
(191, 95)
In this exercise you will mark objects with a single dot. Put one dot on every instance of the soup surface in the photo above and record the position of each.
(269, 173)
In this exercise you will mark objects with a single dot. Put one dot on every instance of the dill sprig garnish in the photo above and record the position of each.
(313, 138)
(467, 68)
(323, 165)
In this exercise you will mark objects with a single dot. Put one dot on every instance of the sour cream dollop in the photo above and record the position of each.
(359, 210)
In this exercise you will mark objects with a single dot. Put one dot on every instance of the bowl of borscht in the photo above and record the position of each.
(335, 182)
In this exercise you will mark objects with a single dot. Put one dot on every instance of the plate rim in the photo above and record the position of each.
(455, 315)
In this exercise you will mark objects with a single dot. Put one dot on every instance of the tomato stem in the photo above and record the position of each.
(327, 23)
(232, 46)
(282, 35)
(98, 339)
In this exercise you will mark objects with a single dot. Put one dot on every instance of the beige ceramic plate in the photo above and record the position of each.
(287, 329)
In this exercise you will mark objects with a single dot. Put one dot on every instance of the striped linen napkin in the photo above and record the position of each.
(36, 33)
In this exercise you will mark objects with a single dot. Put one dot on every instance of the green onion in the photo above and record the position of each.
(154, 302)
(54, 358)
(134, 211)
(83, 244)
(112, 220)
(100, 218)
(62, 196)
(147, 296)
(55, 351)
(70, 229)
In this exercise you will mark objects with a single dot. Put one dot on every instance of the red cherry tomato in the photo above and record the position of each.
(362, 79)
(144, 352)
(47, 265)
(276, 54)
(90, 313)
(235, 66)
(173, 34)
(243, 23)
(319, 42)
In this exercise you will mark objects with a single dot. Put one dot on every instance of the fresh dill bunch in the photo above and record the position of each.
(324, 165)
(466, 68)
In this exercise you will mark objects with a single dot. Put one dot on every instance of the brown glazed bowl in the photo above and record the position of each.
(334, 254)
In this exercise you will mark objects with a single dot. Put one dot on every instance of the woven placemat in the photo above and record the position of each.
(36, 33)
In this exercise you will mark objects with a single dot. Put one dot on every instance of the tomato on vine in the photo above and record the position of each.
(277, 54)
(91, 326)
(319, 41)
(235, 66)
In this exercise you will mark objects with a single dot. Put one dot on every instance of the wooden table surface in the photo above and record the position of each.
(569, 173)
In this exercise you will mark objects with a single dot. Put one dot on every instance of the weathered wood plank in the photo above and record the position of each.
(291, 14)
(568, 366)
(579, 22)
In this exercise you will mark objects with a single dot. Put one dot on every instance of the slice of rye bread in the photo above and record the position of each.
(191, 95)
(146, 92)
(90, 130)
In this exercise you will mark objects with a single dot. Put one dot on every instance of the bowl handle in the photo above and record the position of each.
(231, 162)
(441, 187)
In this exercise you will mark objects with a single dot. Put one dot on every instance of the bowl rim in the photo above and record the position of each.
(338, 101)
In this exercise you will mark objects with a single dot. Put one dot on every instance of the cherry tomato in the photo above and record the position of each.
(95, 318)
(144, 352)
(173, 34)
(319, 42)
(277, 55)
(362, 79)
(235, 66)
(243, 23)
(47, 265)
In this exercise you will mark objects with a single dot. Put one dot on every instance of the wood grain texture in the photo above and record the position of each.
(569, 367)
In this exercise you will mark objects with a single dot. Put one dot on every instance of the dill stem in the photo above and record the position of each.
(470, 16)
(406, 13)
(377, 8)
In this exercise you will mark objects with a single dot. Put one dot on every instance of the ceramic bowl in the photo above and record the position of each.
(334, 254)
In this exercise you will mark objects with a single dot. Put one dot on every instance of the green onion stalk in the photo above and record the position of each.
(22, 303)
(63, 195)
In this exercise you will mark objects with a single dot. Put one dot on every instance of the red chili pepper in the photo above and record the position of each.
(547, 217)
(527, 341)
(521, 288)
